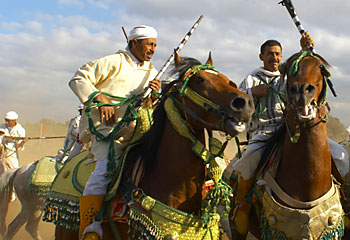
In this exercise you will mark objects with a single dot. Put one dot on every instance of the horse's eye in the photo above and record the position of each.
(200, 80)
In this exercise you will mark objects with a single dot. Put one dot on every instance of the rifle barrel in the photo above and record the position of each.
(34, 138)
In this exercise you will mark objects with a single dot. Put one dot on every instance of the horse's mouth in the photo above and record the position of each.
(233, 127)
(307, 112)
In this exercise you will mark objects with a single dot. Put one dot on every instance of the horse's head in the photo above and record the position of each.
(306, 84)
(209, 99)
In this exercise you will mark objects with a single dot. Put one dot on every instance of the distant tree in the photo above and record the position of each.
(336, 130)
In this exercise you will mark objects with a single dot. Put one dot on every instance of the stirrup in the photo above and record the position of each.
(91, 236)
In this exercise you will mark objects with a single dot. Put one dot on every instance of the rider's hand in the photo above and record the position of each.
(260, 91)
(155, 84)
(106, 112)
(306, 41)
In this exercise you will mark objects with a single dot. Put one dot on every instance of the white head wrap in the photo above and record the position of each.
(11, 115)
(80, 107)
(142, 32)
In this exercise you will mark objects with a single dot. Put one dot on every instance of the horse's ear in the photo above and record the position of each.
(209, 61)
(177, 58)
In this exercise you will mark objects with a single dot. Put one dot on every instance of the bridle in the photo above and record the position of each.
(317, 105)
(209, 106)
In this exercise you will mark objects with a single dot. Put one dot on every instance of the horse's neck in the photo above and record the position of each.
(305, 167)
(178, 175)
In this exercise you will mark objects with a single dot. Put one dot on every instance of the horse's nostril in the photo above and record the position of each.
(309, 89)
(238, 103)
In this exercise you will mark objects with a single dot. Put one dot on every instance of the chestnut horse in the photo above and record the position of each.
(300, 192)
(174, 174)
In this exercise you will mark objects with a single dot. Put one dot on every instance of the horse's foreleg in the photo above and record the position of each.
(3, 213)
(15, 225)
(32, 226)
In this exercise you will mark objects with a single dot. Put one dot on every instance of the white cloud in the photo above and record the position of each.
(72, 3)
(105, 4)
(10, 26)
(33, 26)
(39, 56)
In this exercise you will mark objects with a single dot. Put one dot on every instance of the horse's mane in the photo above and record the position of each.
(147, 145)
(287, 64)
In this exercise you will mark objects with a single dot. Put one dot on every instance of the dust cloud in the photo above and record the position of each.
(35, 150)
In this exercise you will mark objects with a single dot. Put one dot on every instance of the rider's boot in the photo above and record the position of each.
(242, 211)
(90, 205)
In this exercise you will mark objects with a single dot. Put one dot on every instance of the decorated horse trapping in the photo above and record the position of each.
(322, 221)
(156, 220)
(43, 175)
(62, 202)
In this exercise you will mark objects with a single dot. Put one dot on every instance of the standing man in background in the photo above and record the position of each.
(72, 145)
(11, 130)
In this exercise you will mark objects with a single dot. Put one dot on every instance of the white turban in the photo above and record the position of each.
(80, 107)
(11, 115)
(142, 32)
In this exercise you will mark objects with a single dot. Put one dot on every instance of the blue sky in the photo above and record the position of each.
(42, 43)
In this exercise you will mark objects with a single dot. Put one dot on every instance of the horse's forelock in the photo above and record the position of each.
(181, 68)
(288, 63)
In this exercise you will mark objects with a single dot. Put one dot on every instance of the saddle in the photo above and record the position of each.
(44, 173)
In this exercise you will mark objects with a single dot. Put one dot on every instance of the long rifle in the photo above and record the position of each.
(148, 91)
(291, 10)
(32, 138)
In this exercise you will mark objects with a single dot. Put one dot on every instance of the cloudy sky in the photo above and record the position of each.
(42, 43)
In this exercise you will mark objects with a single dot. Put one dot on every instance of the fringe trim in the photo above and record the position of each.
(64, 213)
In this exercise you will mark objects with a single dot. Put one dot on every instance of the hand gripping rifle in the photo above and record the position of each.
(148, 90)
(291, 10)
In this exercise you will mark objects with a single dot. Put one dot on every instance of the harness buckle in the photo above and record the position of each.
(137, 195)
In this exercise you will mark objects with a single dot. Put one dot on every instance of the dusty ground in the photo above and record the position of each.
(34, 150)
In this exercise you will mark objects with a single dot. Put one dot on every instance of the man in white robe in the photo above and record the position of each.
(11, 130)
(123, 74)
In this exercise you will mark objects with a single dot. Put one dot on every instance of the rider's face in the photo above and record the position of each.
(271, 57)
(10, 123)
(144, 49)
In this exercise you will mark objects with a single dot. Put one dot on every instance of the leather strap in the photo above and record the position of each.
(291, 201)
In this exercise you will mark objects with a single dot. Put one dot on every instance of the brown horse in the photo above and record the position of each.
(301, 186)
(174, 174)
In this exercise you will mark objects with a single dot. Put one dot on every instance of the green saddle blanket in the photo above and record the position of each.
(62, 202)
(43, 175)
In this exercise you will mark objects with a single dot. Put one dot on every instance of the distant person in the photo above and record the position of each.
(348, 131)
(10, 131)
(72, 145)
